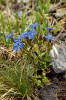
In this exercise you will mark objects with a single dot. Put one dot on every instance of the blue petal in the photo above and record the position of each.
(23, 35)
(15, 40)
(22, 46)
(10, 36)
(19, 38)
(15, 44)
(53, 38)
(50, 28)
(15, 48)
(35, 33)
(33, 30)
(32, 37)
(46, 37)
(12, 32)
(50, 36)
(28, 33)
(18, 49)
(36, 53)
(34, 25)
(37, 24)
(29, 77)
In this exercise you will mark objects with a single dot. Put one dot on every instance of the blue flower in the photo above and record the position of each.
(34, 25)
(23, 35)
(33, 30)
(32, 34)
(29, 34)
(36, 53)
(50, 37)
(29, 77)
(32, 57)
(51, 67)
(18, 45)
(10, 36)
(49, 29)
(31, 37)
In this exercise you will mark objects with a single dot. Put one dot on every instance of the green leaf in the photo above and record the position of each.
(38, 83)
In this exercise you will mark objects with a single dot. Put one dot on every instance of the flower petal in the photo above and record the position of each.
(50, 28)
(33, 30)
(15, 44)
(35, 33)
(32, 37)
(10, 35)
(50, 37)
(18, 48)
(15, 41)
(34, 25)
(15, 48)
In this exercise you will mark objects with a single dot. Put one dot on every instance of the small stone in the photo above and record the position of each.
(26, 1)
(58, 57)
(19, 13)
(59, 15)
(58, 10)
(49, 92)
(18, 1)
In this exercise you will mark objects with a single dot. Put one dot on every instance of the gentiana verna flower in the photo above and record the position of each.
(49, 29)
(34, 25)
(33, 30)
(32, 57)
(36, 53)
(18, 45)
(10, 36)
(50, 37)
(29, 77)
(23, 35)
(29, 34)
(32, 34)
(26, 34)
